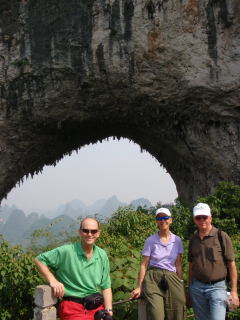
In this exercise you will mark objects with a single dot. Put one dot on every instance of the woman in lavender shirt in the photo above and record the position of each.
(160, 276)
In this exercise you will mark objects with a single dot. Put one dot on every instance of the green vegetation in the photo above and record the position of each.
(18, 279)
(225, 205)
(123, 237)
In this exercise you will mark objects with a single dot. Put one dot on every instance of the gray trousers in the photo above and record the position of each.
(164, 304)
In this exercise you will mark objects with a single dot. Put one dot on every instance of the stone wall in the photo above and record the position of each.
(163, 73)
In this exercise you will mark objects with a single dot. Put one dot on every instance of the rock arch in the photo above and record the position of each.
(163, 73)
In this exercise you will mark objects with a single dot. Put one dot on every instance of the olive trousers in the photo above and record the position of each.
(164, 303)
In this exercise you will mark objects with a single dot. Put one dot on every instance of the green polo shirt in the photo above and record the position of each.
(79, 276)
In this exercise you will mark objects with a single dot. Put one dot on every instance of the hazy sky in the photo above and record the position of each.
(97, 172)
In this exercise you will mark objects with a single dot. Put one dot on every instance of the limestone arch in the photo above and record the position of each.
(47, 144)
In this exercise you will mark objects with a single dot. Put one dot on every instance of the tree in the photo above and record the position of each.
(225, 206)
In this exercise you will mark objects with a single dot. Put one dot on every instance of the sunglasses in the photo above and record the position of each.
(162, 218)
(94, 231)
(201, 217)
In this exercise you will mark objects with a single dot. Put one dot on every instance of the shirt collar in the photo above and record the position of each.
(80, 251)
(212, 232)
(172, 238)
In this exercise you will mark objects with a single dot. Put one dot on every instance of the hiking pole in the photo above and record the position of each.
(103, 314)
(124, 301)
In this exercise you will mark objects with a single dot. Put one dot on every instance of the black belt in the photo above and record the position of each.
(212, 282)
(74, 299)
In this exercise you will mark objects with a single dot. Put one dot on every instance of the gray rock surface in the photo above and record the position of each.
(163, 73)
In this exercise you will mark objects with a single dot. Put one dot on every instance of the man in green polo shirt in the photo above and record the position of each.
(77, 270)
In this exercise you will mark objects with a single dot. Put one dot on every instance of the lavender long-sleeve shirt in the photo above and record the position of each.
(163, 255)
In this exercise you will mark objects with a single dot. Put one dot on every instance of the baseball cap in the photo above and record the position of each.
(163, 210)
(201, 209)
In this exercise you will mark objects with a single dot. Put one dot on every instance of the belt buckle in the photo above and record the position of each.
(213, 282)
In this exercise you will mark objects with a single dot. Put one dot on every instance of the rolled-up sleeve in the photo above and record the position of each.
(50, 258)
(180, 246)
(106, 280)
(146, 249)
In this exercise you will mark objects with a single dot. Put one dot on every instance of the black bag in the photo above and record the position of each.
(223, 254)
(163, 284)
(93, 301)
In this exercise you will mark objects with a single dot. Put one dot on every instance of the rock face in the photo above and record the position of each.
(163, 73)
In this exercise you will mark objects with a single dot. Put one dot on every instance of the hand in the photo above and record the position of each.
(110, 313)
(135, 294)
(235, 300)
(58, 288)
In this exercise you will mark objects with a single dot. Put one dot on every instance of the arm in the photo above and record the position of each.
(179, 266)
(233, 277)
(58, 287)
(107, 296)
(143, 268)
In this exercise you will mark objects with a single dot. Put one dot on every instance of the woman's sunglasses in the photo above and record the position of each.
(162, 218)
(201, 217)
(94, 231)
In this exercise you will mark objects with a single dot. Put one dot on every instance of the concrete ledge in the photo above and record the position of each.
(49, 313)
(43, 296)
(45, 302)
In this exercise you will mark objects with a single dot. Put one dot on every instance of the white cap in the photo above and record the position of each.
(163, 210)
(201, 209)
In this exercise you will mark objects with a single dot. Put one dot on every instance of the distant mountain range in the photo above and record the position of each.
(17, 227)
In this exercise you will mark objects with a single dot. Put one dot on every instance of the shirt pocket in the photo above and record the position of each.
(210, 254)
(213, 254)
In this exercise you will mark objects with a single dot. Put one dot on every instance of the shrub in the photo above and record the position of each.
(225, 206)
(18, 279)
(136, 225)
(182, 225)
